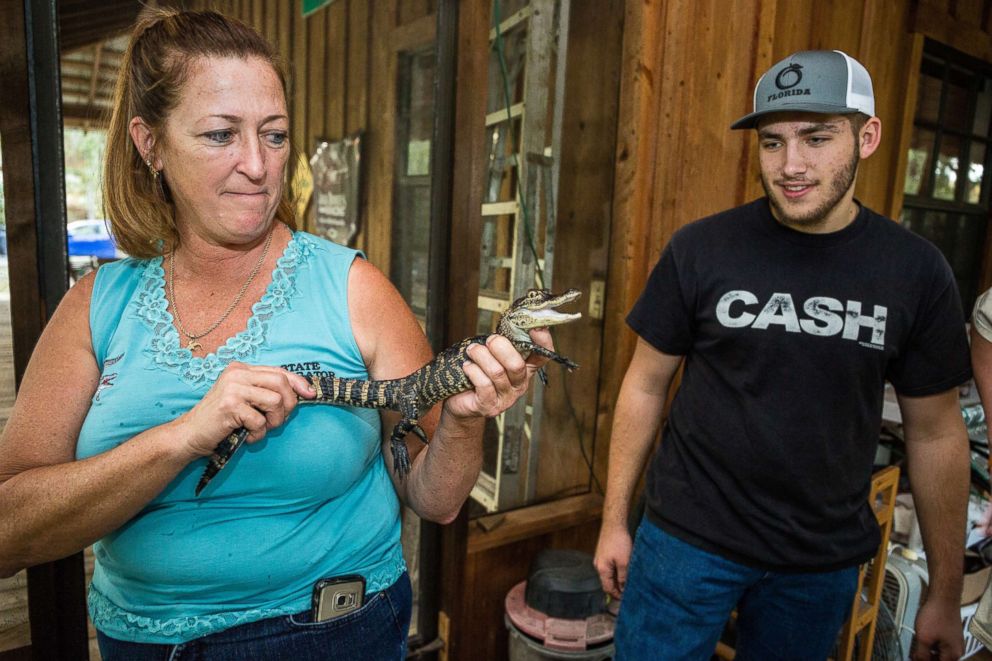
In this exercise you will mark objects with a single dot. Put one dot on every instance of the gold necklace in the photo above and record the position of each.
(193, 345)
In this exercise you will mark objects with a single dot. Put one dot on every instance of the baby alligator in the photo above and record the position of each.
(439, 379)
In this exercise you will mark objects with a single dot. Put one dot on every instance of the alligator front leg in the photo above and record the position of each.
(524, 347)
(397, 444)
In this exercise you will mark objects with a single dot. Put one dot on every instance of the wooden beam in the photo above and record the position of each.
(377, 232)
(95, 77)
(35, 219)
(356, 116)
(84, 114)
(466, 233)
(903, 129)
(934, 21)
(335, 69)
(414, 35)
(500, 529)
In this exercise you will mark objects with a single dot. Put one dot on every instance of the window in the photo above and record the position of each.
(947, 181)
(412, 190)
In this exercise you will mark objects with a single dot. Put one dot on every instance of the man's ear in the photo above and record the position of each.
(144, 141)
(870, 136)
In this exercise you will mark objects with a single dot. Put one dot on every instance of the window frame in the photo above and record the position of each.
(937, 55)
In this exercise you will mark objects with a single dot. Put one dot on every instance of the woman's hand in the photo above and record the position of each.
(258, 398)
(499, 376)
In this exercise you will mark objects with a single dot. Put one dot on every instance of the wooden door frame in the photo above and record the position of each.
(31, 129)
(472, 63)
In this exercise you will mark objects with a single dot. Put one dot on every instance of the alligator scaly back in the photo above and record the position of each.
(436, 381)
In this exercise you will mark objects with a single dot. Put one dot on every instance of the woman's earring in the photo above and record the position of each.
(151, 168)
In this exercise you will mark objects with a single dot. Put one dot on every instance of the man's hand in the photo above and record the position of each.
(612, 559)
(939, 632)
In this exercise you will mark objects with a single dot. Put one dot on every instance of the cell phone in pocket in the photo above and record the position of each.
(337, 596)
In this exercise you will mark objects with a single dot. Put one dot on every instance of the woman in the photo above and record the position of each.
(159, 357)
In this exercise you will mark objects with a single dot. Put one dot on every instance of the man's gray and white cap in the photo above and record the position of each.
(821, 81)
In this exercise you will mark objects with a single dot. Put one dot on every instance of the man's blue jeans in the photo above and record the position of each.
(375, 631)
(678, 598)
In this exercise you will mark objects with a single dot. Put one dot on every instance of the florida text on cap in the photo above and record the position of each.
(821, 81)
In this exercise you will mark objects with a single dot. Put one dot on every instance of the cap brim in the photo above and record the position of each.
(751, 121)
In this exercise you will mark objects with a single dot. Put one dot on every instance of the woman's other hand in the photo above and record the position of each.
(258, 398)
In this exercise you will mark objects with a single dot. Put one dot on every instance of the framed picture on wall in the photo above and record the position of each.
(334, 207)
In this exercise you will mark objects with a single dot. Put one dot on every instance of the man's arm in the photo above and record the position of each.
(635, 425)
(938, 458)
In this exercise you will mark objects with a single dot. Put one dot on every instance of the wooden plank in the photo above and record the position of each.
(408, 11)
(336, 66)
(357, 72)
(763, 56)
(375, 237)
(299, 71)
(257, 14)
(496, 530)
(500, 208)
(511, 21)
(463, 273)
(317, 92)
(501, 115)
(936, 22)
(901, 132)
(270, 20)
(838, 25)
(893, 60)
(284, 44)
(413, 35)
(971, 12)
(794, 27)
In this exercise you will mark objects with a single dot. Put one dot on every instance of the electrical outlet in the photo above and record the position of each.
(597, 298)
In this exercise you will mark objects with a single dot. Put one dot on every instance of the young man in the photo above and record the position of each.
(789, 313)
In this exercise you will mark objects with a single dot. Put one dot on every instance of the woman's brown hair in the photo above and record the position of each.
(163, 45)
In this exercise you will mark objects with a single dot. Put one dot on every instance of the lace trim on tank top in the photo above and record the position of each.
(164, 347)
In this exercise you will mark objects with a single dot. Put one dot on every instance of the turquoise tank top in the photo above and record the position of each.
(311, 500)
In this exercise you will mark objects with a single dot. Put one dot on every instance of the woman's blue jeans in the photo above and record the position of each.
(377, 630)
(678, 598)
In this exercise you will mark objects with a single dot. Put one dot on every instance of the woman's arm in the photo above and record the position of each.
(393, 346)
(52, 505)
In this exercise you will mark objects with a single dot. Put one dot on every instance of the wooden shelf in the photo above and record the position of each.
(503, 528)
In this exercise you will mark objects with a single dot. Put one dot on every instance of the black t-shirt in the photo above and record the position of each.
(788, 338)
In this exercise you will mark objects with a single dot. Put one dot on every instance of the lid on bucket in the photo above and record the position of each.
(564, 584)
(555, 633)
